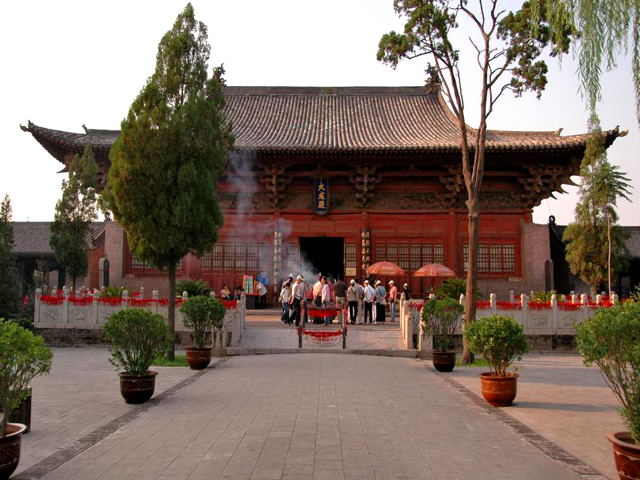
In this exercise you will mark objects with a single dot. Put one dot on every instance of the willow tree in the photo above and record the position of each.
(508, 48)
(607, 28)
(75, 211)
(170, 154)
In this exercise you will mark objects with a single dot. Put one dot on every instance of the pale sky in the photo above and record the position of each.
(68, 63)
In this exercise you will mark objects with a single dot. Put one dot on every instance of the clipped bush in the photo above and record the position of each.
(453, 288)
(499, 339)
(440, 318)
(193, 288)
(201, 315)
(111, 292)
(137, 337)
(611, 340)
(22, 357)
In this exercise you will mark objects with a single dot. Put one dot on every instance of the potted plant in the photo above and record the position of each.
(440, 318)
(22, 356)
(500, 340)
(137, 337)
(611, 340)
(201, 315)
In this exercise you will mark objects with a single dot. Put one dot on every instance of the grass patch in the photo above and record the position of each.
(180, 361)
(477, 362)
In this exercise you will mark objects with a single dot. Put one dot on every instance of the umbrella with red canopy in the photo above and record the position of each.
(385, 268)
(434, 270)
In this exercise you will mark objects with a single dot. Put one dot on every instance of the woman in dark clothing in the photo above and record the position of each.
(406, 293)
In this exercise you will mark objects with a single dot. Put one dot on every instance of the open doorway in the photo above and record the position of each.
(325, 254)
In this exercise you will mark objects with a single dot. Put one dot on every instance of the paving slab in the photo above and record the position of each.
(563, 401)
(315, 416)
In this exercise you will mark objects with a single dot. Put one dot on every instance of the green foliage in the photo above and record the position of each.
(499, 339)
(179, 361)
(542, 296)
(137, 337)
(595, 244)
(74, 213)
(22, 357)
(9, 283)
(202, 314)
(611, 340)
(111, 292)
(477, 362)
(453, 288)
(25, 323)
(170, 154)
(605, 27)
(193, 287)
(440, 319)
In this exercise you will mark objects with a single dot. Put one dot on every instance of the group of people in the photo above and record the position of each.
(370, 299)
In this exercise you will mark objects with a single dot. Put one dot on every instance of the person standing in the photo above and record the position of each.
(317, 292)
(352, 301)
(381, 294)
(285, 297)
(369, 299)
(339, 291)
(360, 292)
(298, 295)
(406, 293)
(393, 294)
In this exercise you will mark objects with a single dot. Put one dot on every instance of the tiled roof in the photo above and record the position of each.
(32, 238)
(337, 119)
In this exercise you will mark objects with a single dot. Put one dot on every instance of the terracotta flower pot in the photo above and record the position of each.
(198, 358)
(137, 389)
(499, 391)
(627, 455)
(10, 449)
(444, 361)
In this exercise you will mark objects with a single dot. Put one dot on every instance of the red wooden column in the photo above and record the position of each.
(452, 240)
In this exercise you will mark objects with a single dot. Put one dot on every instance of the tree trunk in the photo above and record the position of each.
(609, 254)
(472, 275)
(73, 285)
(171, 312)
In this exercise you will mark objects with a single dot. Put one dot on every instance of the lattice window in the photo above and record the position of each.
(350, 255)
(493, 258)
(291, 258)
(416, 257)
(403, 256)
(229, 253)
(206, 261)
(143, 267)
(410, 256)
(217, 256)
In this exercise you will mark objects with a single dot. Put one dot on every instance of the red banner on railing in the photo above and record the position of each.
(51, 299)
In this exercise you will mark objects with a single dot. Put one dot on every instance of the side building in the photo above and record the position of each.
(333, 179)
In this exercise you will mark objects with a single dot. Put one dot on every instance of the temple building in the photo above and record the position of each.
(333, 179)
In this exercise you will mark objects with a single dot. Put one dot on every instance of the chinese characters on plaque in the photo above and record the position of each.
(321, 196)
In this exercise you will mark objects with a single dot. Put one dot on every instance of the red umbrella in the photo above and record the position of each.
(385, 268)
(434, 270)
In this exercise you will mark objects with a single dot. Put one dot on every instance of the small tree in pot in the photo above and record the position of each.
(202, 315)
(22, 356)
(611, 340)
(440, 318)
(137, 337)
(500, 340)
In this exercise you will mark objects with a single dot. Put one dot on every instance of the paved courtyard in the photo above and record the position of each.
(293, 417)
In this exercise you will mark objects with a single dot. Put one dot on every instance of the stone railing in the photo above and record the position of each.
(537, 318)
(88, 311)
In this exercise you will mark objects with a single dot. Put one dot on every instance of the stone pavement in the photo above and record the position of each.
(265, 332)
(565, 402)
(294, 417)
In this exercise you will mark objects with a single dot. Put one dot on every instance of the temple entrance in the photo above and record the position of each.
(325, 254)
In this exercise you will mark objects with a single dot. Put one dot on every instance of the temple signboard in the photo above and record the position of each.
(321, 196)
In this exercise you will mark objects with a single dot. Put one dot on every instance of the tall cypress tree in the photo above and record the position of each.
(75, 211)
(171, 152)
(9, 288)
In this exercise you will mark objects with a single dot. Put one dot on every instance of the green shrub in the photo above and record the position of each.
(25, 323)
(111, 292)
(137, 337)
(22, 356)
(201, 315)
(453, 288)
(193, 288)
(499, 339)
(611, 340)
(440, 318)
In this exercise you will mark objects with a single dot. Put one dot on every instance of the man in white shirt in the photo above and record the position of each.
(298, 294)
(360, 293)
(369, 298)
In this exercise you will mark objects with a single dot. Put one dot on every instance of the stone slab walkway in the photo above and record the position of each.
(565, 402)
(300, 417)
